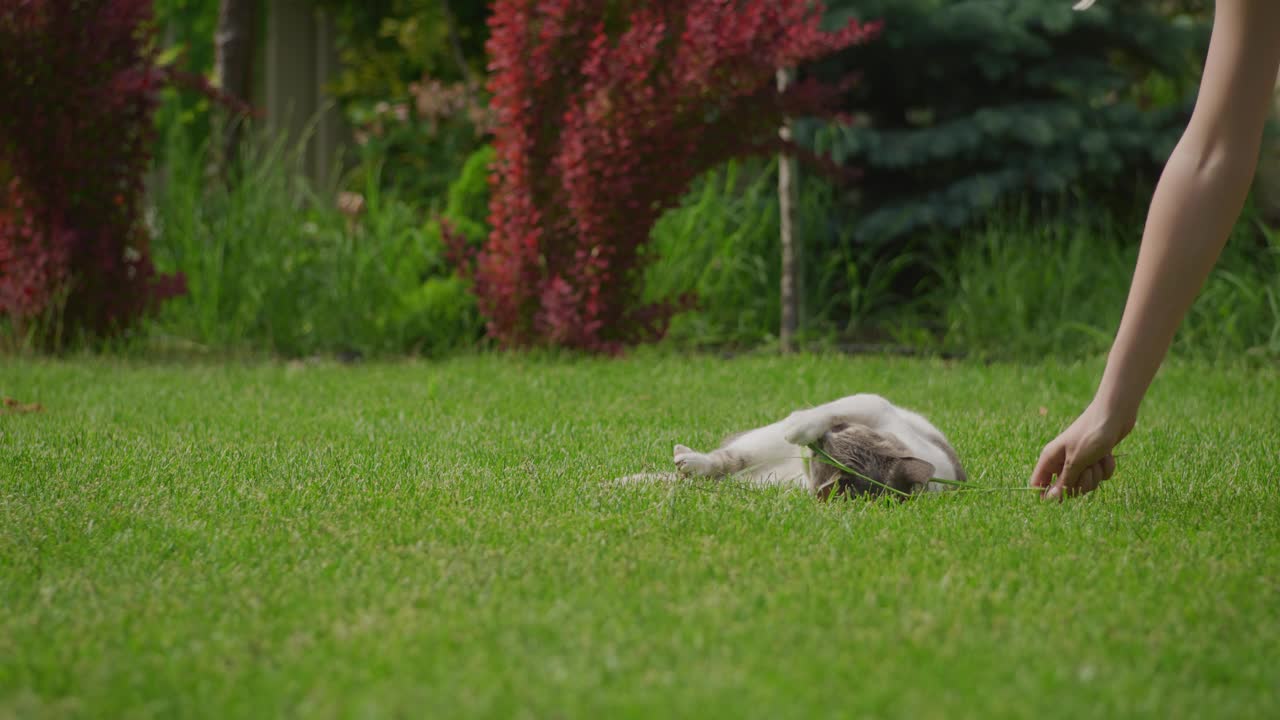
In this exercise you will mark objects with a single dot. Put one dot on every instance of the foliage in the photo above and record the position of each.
(78, 85)
(1054, 283)
(965, 105)
(387, 45)
(187, 30)
(271, 266)
(191, 24)
(467, 208)
(418, 145)
(411, 87)
(721, 246)
(605, 112)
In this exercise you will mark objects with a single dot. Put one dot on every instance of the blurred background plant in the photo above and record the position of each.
(1006, 152)
(274, 266)
(412, 87)
(964, 105)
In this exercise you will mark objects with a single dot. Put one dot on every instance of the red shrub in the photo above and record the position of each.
(605, 112)
(78, 86)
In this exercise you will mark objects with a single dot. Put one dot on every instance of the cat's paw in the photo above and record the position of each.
(690, 462)
(801, 430)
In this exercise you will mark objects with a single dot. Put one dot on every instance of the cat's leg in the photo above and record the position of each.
(717, 463)
(745, 451)
(692, 462)
(806, 426)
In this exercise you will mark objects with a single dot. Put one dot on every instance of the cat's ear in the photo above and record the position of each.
(915, 471)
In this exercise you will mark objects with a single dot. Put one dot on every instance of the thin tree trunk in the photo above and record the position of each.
(233, 63)
(790, 289)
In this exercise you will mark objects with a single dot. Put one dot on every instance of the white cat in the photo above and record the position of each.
(865, 433)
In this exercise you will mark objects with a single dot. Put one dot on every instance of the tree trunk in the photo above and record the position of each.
(233, 63)
(790, 288)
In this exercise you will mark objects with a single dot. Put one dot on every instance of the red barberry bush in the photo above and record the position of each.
(606, 111)
(78, 87)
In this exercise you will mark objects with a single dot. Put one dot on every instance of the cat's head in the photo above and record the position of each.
(874, 454)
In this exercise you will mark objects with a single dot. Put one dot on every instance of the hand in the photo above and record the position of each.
(1081, 457)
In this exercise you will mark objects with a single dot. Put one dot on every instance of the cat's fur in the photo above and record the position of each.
(866, 433)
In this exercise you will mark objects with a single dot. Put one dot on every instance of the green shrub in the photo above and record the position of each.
(271, 266)
(467, 202)
(468, 197)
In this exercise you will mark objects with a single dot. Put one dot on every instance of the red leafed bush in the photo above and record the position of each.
(605, 113)
(78, 87)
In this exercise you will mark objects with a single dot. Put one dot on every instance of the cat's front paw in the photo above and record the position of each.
(690, 462)
(801, 430)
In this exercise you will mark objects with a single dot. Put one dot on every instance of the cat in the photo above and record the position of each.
(866, 433)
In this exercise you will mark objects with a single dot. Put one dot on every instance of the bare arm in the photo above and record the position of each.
(1198, 199)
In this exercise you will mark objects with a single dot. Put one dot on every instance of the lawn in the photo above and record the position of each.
(416, 539)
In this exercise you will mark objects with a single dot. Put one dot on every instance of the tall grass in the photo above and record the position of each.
(722, 244)
(273, 266)
(1027, 286)
(1239, 309)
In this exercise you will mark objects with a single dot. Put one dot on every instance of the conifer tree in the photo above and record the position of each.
(965, 104)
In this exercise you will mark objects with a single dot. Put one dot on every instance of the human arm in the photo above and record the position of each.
(1196, 203)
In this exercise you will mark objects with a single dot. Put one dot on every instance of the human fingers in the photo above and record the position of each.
(1068, 479)
(1086, 481)
(1089, 480)
(1049, 464)
(1108, 466)
(1097, 473)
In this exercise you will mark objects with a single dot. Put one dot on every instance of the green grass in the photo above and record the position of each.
(417, 539)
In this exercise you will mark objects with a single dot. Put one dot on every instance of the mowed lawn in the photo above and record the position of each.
(437, 540)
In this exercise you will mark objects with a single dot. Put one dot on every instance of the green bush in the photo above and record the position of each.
(467, 202)
(271, 266)
(966, 105)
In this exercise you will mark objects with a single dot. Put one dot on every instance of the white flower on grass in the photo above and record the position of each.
(1083, 5)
